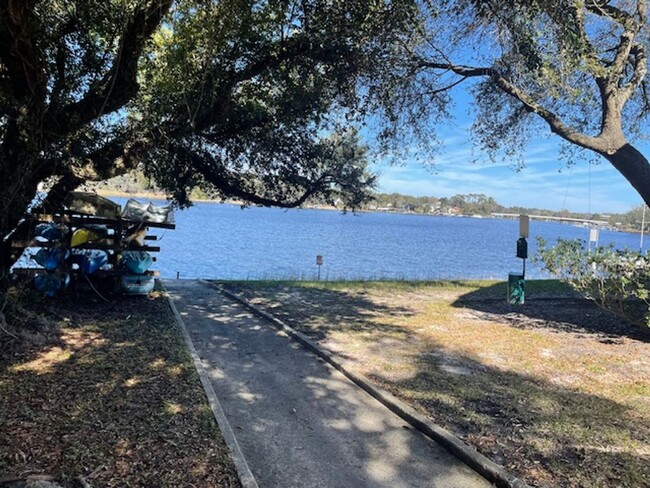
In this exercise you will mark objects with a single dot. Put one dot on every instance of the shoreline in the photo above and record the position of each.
(161, 196)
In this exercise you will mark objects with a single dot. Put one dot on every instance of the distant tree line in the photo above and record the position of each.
(482, 205)
(471, 204)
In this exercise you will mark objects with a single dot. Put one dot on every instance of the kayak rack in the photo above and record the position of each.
(116, 242)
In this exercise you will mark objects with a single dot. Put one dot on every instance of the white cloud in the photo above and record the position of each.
(544, 182)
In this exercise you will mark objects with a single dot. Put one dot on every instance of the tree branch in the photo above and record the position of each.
(603, 8)
(553, 120)
(640, 70)
(119, 85)
(233, 189)
(631, 26)
(594, 63)
(60, 55)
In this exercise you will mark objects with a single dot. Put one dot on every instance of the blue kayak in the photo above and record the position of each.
(93, 262)
(51, 258)
(51, 232)
(90, 260)
(137, 284)
(137, 262)
(51, 283)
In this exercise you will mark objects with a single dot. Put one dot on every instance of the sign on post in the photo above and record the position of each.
(524, 224)
(522, 248)
(594, 233)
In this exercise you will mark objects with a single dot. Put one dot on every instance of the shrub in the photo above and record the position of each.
(616, 280)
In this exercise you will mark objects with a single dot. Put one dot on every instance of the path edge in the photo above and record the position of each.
(487, 468)
(246, 477)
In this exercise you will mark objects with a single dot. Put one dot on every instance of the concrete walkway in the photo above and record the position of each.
(299, 422)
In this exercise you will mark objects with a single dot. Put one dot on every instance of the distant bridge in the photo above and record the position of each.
(547, 217)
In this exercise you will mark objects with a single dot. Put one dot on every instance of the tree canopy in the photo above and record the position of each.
(576, 67)
(253, 99)
(250, 98)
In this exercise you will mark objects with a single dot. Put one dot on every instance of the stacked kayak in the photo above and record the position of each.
(51, 258)
(87, 234)
(137, 262)
(87, 203)
(90, 260)
(49, 232)
(148, 212)
(54, 259)
(51, 283)
(136, 284)
(135, 281)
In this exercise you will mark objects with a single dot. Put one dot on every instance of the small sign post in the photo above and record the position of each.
(319, 263)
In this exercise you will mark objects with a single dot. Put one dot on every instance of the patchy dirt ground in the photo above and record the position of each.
(112, 398)
(557, 390)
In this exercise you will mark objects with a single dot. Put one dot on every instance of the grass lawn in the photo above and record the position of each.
(556, 390)
(114, 398)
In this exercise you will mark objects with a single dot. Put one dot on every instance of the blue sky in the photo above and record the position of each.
(545, 182)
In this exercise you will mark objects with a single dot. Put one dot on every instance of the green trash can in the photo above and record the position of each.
(516, 288)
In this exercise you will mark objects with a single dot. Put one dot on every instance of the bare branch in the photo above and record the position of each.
(631, 26)
(640, 69)
(603, 8)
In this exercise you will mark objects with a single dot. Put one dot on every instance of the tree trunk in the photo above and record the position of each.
(52, 204)
(10, 224)
(634, 167)
(15, 198)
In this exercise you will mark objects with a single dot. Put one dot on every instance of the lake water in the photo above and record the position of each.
(223, 241)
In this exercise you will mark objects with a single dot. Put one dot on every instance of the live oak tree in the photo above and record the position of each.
(577, 67)
(249, 98)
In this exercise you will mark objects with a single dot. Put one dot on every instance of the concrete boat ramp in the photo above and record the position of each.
(290, 419)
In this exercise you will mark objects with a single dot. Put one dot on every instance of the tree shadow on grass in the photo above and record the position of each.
(114, 399)
(549, 434)
(542, 430)
(317, 309)
(565, 313)
(37, 319)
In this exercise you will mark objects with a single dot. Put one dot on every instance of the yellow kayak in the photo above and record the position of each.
(82, 236)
